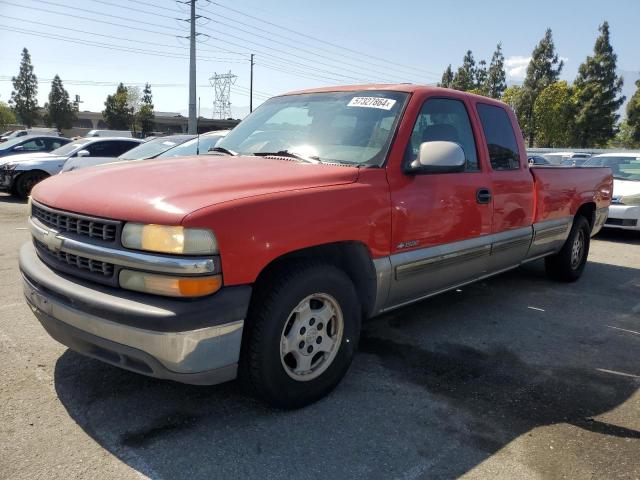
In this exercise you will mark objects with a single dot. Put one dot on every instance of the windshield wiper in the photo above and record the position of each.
(290, 154)
(223, 150)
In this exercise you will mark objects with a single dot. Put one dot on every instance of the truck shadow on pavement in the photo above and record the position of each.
(436, 389)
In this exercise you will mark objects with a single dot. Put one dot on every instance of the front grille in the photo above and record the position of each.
(106, 230)
(103, 269)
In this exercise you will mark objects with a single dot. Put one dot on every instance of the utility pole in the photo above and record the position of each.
(251, 87)
(193, 123)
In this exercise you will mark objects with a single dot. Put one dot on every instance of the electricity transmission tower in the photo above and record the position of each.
(221, 83)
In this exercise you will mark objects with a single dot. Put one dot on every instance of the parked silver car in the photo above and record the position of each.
(160, 147)
(149, 149)
(19, 175)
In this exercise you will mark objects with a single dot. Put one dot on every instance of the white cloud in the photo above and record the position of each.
(516, 66)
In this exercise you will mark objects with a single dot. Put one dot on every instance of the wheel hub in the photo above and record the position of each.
(311, 337)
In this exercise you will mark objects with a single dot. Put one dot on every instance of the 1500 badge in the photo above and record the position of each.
(409, 244)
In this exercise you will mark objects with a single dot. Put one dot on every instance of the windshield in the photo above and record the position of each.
(154, 147)
(189, 148)
(344, 127)
(623, 168)
(69, 147)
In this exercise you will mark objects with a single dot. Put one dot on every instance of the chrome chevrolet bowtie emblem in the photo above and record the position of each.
(51, 239)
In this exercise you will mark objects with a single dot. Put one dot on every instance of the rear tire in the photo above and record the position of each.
(301, 334)
(26, 181)
(568, 264)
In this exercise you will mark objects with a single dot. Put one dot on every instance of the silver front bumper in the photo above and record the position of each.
(203, 356)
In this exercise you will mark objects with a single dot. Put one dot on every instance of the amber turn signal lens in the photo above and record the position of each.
(198, 287)
(170, 286)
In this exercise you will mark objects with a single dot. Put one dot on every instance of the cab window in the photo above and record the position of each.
(35, 145)
(444, 119)
(501, 139)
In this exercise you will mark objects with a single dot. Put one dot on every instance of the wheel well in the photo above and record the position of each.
(15, 179)
(351, 257)
(588, 211)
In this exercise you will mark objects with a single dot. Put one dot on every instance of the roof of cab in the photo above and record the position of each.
(396, 87)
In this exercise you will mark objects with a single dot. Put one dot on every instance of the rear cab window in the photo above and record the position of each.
(501, 138)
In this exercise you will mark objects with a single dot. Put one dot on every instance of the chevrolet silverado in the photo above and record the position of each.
(321, 209)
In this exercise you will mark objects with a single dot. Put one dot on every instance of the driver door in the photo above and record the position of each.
(441, 221)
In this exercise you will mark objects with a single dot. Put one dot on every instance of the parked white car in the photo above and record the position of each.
(18, 175)
(52, 132)
(109, 133)
(624, 211)
(567, 159)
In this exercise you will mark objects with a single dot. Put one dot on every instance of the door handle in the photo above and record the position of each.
(483, 195)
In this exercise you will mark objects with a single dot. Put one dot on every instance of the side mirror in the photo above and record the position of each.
(83, 153)
(439, 157)
(18, 148)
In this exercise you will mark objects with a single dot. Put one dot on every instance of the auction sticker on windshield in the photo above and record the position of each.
(372, 102)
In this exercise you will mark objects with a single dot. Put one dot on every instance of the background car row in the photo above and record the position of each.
(31, 159)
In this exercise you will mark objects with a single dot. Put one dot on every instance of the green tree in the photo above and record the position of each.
(543, 70)
(447, 78)
(512, 96)
(481, 78)
(597, 89)
(633, 114)
(117, 113)
(24, 98)
(625, 138)
(6, 116)
(496, 82)
(145, 114)
(553, 113)
(60, 111)
(465, 77)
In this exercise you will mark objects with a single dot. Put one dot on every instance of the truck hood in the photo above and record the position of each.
(625, 187)
(165, 191)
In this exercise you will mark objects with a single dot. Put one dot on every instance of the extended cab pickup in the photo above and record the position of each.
(320, 209)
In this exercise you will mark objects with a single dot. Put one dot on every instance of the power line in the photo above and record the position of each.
(109, 46)
(358, 79)
(231, 60)
(305, 35)
(333, 66)
(270, 34)
(276, 58)
(105, 83)
(302, 70)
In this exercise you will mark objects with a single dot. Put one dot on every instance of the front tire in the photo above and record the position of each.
(301, 335)
(26, 181)
(568, 264)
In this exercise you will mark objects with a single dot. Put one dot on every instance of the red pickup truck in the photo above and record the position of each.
(322, 208)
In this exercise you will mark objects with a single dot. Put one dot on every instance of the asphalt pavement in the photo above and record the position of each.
(513, 377)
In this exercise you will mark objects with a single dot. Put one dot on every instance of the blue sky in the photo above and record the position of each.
(407, 40)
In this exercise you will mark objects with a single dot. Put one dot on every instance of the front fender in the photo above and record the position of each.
(254, 231)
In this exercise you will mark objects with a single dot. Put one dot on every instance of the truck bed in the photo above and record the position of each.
(559, 192)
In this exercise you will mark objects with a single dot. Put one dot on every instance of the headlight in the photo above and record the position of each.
(630, 199)
(167, 239)
(170, 286)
